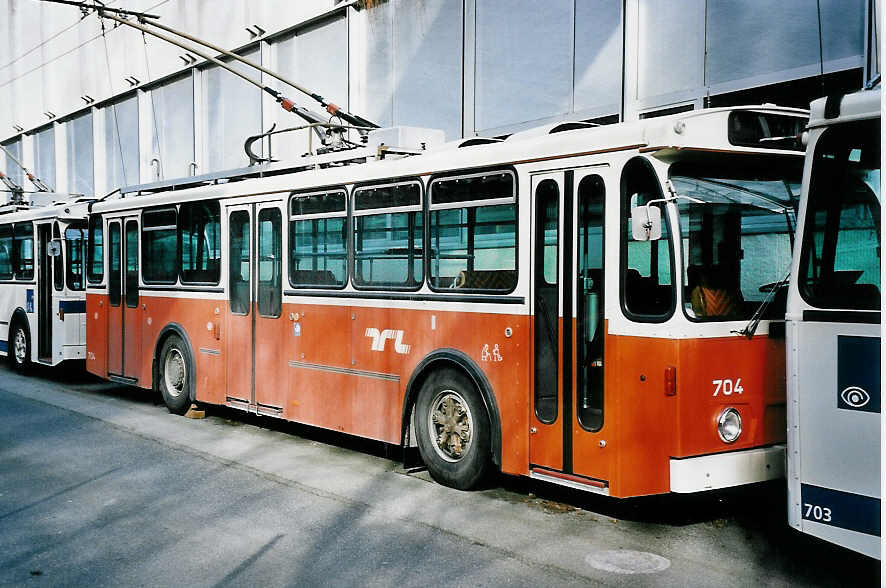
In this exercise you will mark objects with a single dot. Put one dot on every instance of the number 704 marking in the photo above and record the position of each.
(727, 387)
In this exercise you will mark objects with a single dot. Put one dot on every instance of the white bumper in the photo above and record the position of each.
(722, 470)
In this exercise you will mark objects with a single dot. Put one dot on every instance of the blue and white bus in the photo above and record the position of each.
(42, 279)
(833, 329)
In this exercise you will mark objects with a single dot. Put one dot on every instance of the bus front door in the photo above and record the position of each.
(568, 330)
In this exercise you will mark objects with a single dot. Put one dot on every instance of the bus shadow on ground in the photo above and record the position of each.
(755, 513)
(73, 376)
(758, 512)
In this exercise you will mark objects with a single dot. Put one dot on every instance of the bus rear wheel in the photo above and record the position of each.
(174, 374)
(453, 430)
(19, 347)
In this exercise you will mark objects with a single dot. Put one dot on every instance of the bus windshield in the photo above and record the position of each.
(736, 237)
(840, 260)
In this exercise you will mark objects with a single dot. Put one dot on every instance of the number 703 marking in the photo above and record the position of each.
(818, 513)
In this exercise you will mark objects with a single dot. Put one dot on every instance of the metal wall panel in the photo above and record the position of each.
(232, 113)
(670, 53)
(523, 61)
(599, 50)
(44, 155)
(80, 162)
(427, 89)
(121, 143)
(173, 127)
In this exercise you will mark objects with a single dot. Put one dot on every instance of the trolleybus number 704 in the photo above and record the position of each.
(727, 387)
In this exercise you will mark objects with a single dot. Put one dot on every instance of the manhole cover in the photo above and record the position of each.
(627, 561)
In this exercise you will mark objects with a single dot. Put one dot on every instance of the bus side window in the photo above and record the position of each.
(473, 232)
(200, 237)
(75, 239)
(159, 245)
(114, 278)
(95, 268)
(840, 265)
(318, 245)
(5, 252)
(591, 338)
(23, 251)
(58, 267)
(647, 280)
(270, 262)
(388, 248)
(131, 264)
(238, 269)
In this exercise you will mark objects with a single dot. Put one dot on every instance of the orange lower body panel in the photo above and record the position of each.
(649, 426)
(347, 368)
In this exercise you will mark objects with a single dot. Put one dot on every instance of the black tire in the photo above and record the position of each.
(174, 374)
(19, 346)
(457, 447)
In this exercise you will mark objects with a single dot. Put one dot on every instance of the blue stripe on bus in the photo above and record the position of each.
(858, 373)
(841, 509)
(72, 306)
(4, 346)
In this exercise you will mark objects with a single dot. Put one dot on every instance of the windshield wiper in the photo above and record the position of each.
(780, 206)
(751, 328)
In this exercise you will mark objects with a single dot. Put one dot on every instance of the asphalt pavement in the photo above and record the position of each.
(101, 486)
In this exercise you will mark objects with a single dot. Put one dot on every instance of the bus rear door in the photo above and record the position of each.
(124, 314)
(255, 341)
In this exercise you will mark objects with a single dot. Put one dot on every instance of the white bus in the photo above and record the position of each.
(833, 329)
(42, 279)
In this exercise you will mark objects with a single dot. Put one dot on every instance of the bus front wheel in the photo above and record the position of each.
(175, 375)
(19, 347)
(453, 430)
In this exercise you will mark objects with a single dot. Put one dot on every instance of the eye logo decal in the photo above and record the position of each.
(855, 397)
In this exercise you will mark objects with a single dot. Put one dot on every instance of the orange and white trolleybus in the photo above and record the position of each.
(584, 305)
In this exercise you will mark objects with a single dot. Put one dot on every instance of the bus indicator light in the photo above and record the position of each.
(670, 380)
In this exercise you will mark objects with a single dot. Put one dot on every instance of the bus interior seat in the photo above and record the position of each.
(269, 298)
(867, 295)
(486, 279)
(239, 289)
(644, 295)
(314, 278)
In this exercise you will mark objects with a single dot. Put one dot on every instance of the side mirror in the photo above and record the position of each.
(646, 223)
(54, 248)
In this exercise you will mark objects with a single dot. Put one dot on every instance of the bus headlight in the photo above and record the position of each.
(729, 425)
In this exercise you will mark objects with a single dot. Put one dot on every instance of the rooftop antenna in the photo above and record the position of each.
(362, 125)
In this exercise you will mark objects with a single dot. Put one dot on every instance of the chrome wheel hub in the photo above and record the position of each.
(450, 425)
(174, 373)
(20, 346)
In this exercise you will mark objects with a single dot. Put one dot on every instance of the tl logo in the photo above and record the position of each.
(379, 339)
